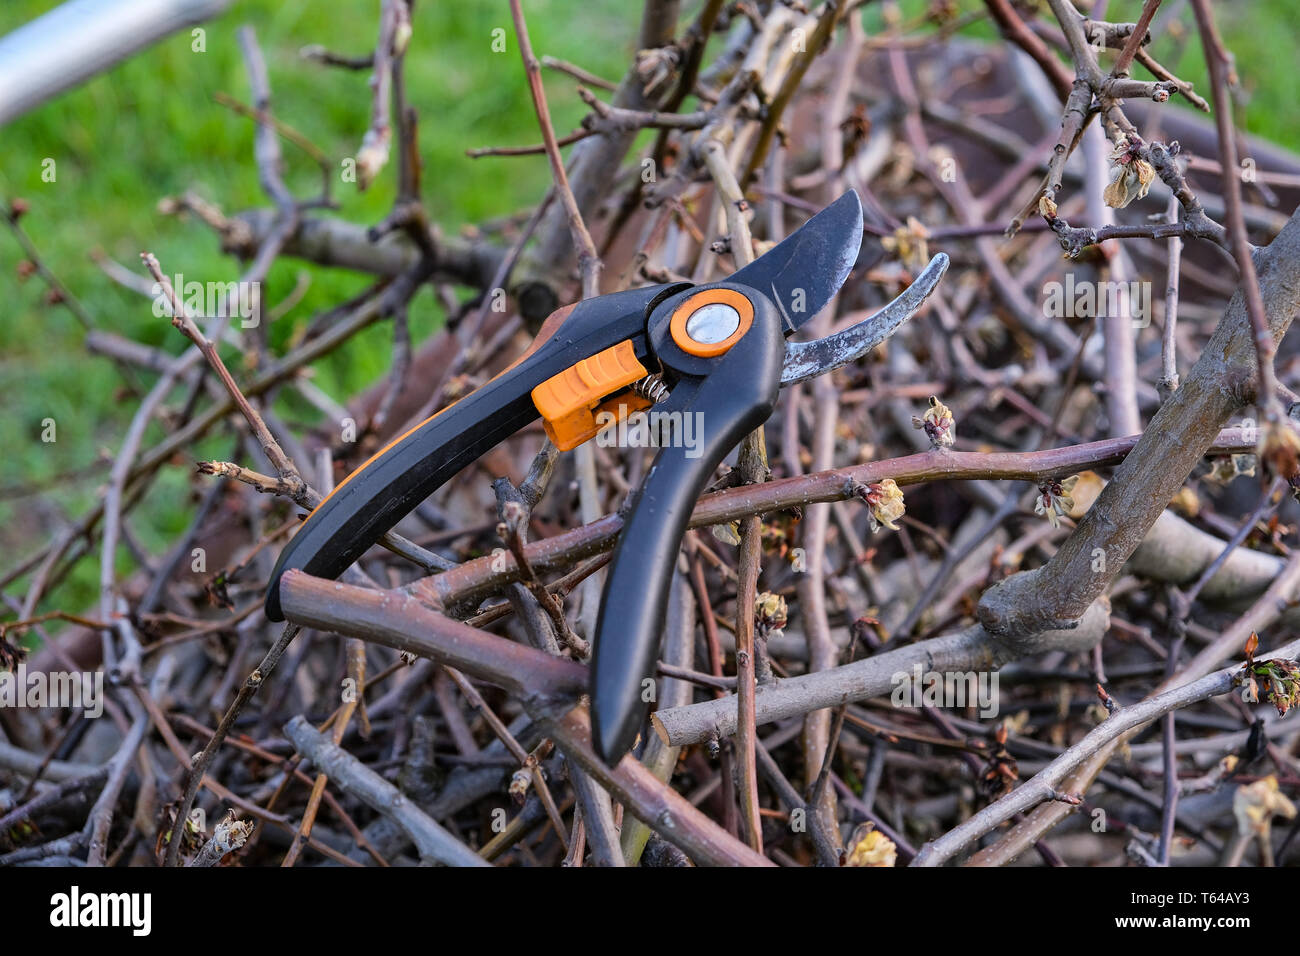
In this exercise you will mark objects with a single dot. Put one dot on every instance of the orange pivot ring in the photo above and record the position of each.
(700, 323)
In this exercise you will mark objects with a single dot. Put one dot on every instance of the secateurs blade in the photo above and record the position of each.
(717, 351)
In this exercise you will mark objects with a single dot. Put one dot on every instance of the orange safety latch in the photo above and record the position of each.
(571, 401)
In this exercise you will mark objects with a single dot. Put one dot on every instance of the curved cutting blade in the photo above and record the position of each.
(805, 360)
(805, 270)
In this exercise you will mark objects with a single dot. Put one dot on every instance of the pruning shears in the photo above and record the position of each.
(717, 349)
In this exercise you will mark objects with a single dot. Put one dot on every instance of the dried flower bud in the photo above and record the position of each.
(1280, 681)
(910, 242)
(520, 781)
(1186, 503)
(775, 541)
(401, 36)
(938, 424)
(869, 847)
(1130, 175)
(1054, 499)
(869, 627)
(1223, 470)
(885, 503)
(230, 834)
(655, 67)
(728, 533)
(372, 156)
(770, 612)
(459, 386)
(17, 208)
(853, 132)
(1000, 771)
(25, 269)
(1279, 449)
(1255, 805)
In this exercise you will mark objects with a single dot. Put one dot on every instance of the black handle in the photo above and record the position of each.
(732, 395)
(394, 481)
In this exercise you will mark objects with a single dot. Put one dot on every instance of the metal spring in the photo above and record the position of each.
(652, 388)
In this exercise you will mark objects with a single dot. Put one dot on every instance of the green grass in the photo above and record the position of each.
(151, 128)
(1262, 35)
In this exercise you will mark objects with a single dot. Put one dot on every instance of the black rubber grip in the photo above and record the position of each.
(393, 482)
(735, 395)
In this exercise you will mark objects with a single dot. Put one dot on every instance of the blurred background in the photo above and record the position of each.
(152, 127)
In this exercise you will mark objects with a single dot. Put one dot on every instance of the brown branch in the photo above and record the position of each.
(181, 320)
(578, 73)
(476, 578)
(830, 15)
(372, 155)
(203, 760)
(433, 842)
(1136, 39)
(588, 259)
(1099, 742)
(1217, 63)
(543, 682)
(971, 650)
(571, 138)
(1060, 591)
(1013, 28)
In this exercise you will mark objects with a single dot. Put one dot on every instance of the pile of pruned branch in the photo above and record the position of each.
(1082, 494)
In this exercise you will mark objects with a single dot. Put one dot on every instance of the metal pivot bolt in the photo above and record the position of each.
(711, 321)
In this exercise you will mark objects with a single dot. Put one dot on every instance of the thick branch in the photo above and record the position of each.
(1062, 590)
